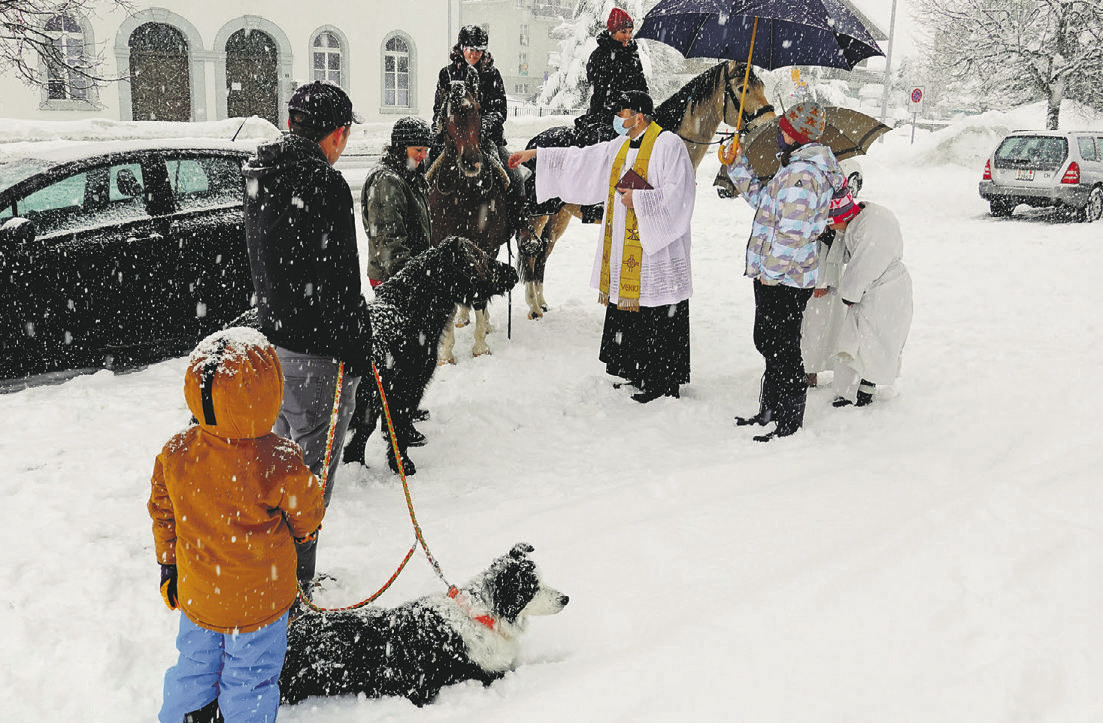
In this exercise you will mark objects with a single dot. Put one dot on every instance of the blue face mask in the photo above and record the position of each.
(781, 144)
(619, 124)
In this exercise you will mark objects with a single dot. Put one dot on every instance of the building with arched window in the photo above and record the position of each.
(173, 60)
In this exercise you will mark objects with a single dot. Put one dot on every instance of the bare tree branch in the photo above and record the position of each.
(28, 43)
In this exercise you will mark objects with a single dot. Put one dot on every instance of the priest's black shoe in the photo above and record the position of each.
(650, 395)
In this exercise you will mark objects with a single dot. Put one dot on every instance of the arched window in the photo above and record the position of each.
(396, 73)
(327, 58)
(64, 81)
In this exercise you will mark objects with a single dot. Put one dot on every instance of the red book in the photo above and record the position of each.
(633, 180)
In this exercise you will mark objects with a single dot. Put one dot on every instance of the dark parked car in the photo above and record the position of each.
(1046, 168)
(118, 253)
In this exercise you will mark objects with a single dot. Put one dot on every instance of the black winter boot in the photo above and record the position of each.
(865, 393)
(209, 713)
(790, 416)
(766, 404)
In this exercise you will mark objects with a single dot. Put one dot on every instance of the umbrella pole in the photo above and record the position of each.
(746, 77)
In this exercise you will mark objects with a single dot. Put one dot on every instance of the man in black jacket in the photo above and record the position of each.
(301, 235)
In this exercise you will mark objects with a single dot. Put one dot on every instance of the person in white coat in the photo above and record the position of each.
(642, 265)
(824, 314)
(877, 291)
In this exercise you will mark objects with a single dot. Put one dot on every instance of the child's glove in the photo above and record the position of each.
(168, 585)
(728, 151)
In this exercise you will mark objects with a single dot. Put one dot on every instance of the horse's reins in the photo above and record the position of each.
(419, 537)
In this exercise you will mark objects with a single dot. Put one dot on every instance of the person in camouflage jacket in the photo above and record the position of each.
(791, 210)
(395, 201)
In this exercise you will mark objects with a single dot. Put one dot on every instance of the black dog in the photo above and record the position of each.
(408, 317)
(416, 649)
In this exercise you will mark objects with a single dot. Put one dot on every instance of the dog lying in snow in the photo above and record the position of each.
(416, 649)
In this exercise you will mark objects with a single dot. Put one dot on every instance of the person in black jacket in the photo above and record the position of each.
(470, 52)
(612, 69)
(301, 235)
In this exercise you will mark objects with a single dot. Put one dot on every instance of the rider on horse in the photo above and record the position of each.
(613, 67)
(470, 52)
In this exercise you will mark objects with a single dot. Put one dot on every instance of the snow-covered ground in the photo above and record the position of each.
(933, 557)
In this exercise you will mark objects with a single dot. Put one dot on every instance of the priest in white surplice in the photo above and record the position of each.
(641, 268)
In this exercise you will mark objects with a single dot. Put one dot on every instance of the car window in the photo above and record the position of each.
(101, 196)
(1087, 148)
(205, 182)
(1034, 151)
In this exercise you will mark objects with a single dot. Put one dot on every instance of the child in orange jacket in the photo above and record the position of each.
(228, 500)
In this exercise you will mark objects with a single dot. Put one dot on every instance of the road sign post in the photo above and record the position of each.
(915, 104)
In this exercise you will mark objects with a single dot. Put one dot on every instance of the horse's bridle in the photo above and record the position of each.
(729, 94)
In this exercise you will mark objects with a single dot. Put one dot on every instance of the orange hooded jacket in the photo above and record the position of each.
(228, 495)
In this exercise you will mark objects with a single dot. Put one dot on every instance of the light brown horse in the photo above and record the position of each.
(467, 197)
(694, 113)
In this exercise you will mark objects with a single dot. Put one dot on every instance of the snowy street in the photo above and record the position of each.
(933, 557)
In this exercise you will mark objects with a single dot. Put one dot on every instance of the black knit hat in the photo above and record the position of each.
(473, 36)
(322, 107)
(636, 100)
(410, 131)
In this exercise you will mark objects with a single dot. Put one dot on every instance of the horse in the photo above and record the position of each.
(467, 197)
(694, 112)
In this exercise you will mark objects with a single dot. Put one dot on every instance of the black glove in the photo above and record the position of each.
(168, 585)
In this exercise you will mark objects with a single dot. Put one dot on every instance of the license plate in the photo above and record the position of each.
(1024, 175)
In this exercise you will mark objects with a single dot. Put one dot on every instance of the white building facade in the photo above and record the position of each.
(520, 38)
(184, 60)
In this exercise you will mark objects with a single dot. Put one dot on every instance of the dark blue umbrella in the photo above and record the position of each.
(780, 32)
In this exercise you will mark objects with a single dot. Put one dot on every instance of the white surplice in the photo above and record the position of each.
(581, 175)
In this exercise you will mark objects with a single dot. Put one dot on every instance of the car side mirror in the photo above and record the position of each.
(17, 230)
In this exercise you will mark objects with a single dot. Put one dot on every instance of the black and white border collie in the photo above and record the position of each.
(416, 649)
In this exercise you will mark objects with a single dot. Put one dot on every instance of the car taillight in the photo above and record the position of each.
(1072, 175)
(987, 170)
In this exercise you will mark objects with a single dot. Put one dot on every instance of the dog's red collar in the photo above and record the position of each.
(461, 600)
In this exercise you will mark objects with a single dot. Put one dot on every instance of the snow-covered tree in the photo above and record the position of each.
(1016, 51)
(37, 34)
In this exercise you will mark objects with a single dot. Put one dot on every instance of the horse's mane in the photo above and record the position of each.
(671, 111)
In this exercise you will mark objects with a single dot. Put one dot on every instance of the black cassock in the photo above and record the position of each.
(649, 346)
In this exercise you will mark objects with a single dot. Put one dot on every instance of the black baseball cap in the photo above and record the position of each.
(324, 106)
(636, 100)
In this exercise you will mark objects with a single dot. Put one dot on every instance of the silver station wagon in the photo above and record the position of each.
(116, 254)
(1046, 168)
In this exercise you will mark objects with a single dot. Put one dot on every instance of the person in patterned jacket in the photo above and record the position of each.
(791, 210)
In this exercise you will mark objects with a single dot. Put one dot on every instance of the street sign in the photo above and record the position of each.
(915, 101)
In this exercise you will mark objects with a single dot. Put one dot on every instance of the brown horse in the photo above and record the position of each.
(694, 113)
(467, 197)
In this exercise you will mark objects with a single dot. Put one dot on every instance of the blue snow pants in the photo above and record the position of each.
(241, 670)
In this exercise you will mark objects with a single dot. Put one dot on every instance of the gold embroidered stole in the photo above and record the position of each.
(628, 291)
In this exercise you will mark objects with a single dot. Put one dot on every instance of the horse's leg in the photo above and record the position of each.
(532, 270)
(482, 328)
(556, 228)
(447, 343)
(462, 316)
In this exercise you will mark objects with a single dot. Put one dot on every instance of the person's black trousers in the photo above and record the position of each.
(779, 311)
